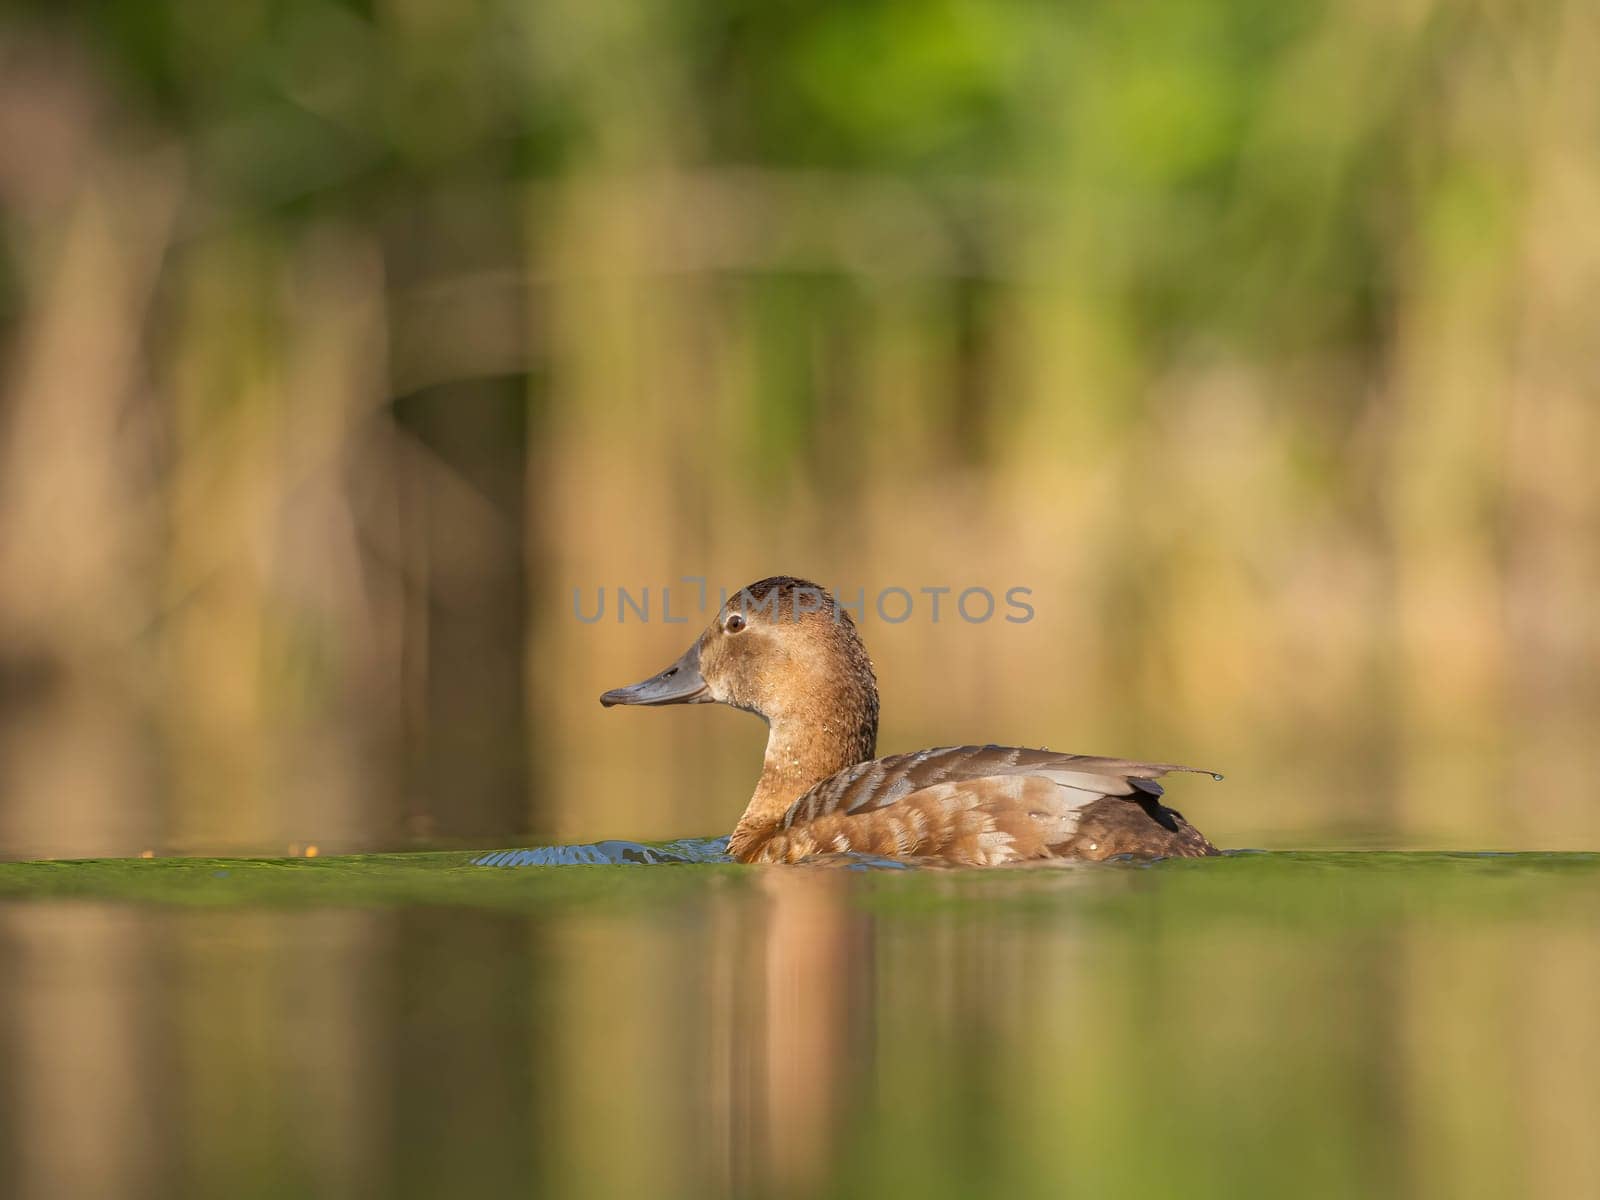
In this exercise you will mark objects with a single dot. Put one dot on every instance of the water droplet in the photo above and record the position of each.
(1215, 776)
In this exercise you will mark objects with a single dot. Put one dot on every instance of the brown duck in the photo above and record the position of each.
(782, 649)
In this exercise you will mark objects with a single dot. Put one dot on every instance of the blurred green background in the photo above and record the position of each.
(340, 343)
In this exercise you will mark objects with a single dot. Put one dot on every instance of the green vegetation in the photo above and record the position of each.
(360, 880)
(1321, 889)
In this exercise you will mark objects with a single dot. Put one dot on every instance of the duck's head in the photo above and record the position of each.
(780, 648)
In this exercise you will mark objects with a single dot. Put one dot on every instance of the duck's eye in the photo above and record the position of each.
(734, 623)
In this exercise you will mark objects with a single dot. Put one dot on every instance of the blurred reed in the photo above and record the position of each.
(341, 343)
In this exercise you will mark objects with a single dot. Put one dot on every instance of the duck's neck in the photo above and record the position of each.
(803, 749)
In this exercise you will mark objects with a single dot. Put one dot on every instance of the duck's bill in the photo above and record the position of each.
(681, 683)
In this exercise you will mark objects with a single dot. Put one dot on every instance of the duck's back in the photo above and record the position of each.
(982, 806)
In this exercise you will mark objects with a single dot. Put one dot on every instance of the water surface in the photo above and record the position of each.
(1310, 1024)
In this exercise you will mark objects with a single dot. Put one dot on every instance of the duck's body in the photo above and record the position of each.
(783, 649)
(979, 806)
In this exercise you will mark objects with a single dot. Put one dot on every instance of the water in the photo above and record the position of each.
(688, 850)
(1307, 1024)
(613, 852)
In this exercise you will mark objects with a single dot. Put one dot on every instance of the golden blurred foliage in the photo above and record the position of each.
(343, 344)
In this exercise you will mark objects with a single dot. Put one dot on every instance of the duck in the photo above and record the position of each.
(784, 649)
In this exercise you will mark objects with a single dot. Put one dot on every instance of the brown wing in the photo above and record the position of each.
(884, 781)
(972, 804)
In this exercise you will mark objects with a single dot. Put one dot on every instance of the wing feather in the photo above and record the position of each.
(880, 782)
